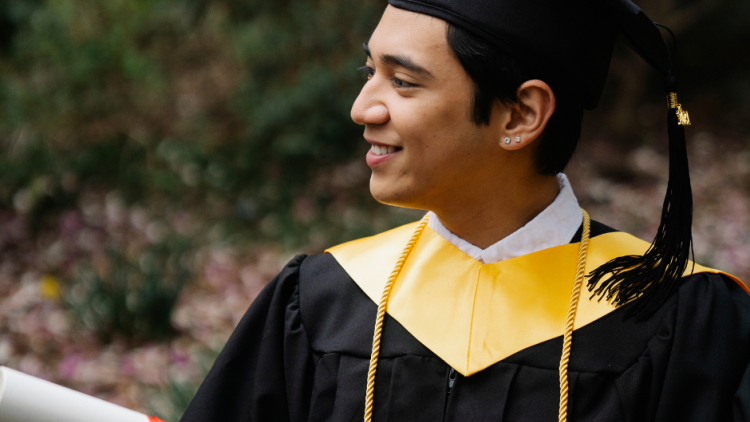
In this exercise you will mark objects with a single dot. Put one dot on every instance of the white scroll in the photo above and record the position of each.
(24, 398)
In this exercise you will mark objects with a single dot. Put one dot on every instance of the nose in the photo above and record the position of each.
(368, 109)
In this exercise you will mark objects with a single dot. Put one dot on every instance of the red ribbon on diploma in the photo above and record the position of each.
(154, 419)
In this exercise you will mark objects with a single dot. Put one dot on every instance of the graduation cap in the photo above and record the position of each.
(570, 44)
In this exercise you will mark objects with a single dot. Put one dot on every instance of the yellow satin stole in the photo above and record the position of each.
(473, 315)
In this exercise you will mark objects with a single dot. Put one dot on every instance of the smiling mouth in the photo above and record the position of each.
(383, 150)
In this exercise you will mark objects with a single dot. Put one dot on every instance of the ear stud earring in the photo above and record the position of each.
(507, 141)
(518, 139)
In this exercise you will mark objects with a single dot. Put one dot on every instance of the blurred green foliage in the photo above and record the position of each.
(129, 299)
(177, 398)
(172, 398)
(243, 105)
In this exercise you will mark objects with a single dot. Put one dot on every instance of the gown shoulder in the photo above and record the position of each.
(267, 355)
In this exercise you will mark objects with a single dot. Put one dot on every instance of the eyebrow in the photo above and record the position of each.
(393, 60)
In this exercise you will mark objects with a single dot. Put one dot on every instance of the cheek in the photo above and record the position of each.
(434, 111)
(437, 131)
(430, 122)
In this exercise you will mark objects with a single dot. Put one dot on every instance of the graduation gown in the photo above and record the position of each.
(301, 352)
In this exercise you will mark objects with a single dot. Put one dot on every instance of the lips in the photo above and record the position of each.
(379, 154)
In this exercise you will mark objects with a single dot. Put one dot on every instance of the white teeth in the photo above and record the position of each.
(378, 150)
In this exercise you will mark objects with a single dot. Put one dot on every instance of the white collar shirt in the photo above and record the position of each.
(554, 226)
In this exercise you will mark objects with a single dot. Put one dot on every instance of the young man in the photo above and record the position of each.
(473, 109)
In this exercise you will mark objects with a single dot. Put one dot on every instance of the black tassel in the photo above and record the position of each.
(650, 279)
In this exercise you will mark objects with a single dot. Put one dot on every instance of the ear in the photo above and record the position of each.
(528, 118)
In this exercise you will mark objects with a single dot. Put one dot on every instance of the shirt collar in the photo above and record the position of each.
(554, 226)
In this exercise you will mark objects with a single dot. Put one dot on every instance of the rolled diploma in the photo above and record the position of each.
(24, 398)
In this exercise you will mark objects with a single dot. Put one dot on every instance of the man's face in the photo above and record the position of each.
(416, 108)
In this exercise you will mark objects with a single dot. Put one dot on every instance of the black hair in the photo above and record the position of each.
(497, 77)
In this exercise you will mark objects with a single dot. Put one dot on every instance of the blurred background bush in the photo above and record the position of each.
(161, 159)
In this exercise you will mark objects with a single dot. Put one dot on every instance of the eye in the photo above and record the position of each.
(367, 71)
(401, 84)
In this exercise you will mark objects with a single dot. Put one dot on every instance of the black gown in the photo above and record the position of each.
(301, 353)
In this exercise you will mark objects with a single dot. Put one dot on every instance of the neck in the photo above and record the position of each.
(487, 215)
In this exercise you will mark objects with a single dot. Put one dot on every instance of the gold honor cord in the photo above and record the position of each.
(381, 316)
(567, 339)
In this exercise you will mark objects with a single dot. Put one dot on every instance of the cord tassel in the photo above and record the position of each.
(655, 276)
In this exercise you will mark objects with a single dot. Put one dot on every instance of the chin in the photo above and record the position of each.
(382, 192)
(393, 194)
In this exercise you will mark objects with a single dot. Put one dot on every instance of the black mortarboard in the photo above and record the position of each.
(570, 44)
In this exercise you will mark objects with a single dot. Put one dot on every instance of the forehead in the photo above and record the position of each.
(404, 33)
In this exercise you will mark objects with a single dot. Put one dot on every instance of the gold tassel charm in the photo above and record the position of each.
(682, 115)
